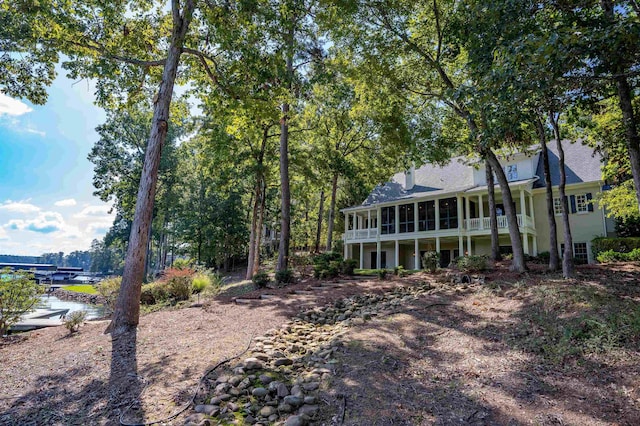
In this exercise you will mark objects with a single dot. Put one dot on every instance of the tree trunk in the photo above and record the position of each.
(554, 258)
(518, 263)
(332, 210)
(319, 228)
(630, 131)
(285, 235)
(254, 230)
(493, 220)
(127, 310)
(256, 252)
(568, 269)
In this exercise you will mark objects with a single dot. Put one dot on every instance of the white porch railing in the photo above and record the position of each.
(474, 223)
(361, 234)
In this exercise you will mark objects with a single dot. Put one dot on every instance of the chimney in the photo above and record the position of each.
(410, 178)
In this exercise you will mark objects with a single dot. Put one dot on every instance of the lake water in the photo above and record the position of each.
(52, 302)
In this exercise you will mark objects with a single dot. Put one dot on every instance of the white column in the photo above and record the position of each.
(361, 255)
(460, 220)
(346, 222)
(378, 221)
(460, 246)
(369, 223)
(415, 217)
(438, 244)
(469, 245)
(397, 254)
(378, 255)
(481, 209)
(523, 207)
(346, 251)
(535, 245)
(525, 242)
(397, 219)
(533, 215)
(468, 208)
(416, 248)
(437, 207)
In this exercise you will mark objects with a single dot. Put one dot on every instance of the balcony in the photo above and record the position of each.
(473, 224)
(361, 234)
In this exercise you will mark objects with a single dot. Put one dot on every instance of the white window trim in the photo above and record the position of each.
(585, 204)
(559, 211)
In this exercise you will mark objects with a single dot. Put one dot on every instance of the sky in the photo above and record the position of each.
(46, 201)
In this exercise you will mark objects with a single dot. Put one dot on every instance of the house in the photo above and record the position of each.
(445, 209)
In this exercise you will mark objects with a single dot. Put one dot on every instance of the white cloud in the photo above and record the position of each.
(3, 235)
(66, 203)
(44, 223)
(93, 211)
(10, 106)
(19, 207)
(36, 132)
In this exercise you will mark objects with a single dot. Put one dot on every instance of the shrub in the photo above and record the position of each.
(182, 264)
(109, 289)
(327, 265)
(430, 261)
(634, 255)
(261, 279)
(155, 292)
(544, 256)
(179, 283)
(285, 276)
(19, 293)
(382, 274)
(348, 266)
(200, 282)
(74, 320)
(614, 256)
(620, 245)
(471, 263)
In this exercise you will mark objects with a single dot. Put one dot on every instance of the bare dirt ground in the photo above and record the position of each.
(513, 351)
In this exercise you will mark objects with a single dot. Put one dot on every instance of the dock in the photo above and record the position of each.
(40, 318)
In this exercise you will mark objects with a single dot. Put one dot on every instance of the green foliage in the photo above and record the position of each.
(327, 265)
(628, 227)
(74, 320)
(471, 263)
(348, 266)
(154, 293)
(87, 289)
(620, 201)
(109, 289)
(431, 261)
(285, 276)
(200, 282)
(544, 256)
(382, 274)
(182, 264)
(609, 256)
(400, 272)
(261, 279)
(619, 245)
(19, 293)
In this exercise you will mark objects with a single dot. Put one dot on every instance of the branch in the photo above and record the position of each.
(103, 52)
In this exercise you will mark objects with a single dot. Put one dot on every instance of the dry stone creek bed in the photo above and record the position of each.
(286, 368)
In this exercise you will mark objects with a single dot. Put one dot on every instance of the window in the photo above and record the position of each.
(388, 223)
(427, 216)
(582, 205)
(407, 218)
(557, 206)
(580, 253)
(449, 213)
(511, 172)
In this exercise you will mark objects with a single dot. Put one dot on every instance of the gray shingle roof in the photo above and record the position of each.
(581, 166)
(580, 162)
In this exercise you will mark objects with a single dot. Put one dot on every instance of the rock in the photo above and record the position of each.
(267, 411)
(238, 370)
(221, 388)
(232, 406)
(296, 421)
(195, 418)
(297, 391)
(308, 410)
(273, 386)
(259, 392)
(311, 386)
(235, 392)
(222, 379)
(252, 364)
(207, 409)
(273, 417)
(244, 384)
(292, 400)
(249, 419)
(282, 361)
(235, 380)
(282, 390)
(309, 399)
(285, 408)
(216, 400)
(261, 356)
(265, 378)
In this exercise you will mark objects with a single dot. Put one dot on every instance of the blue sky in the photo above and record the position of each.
(46, 201)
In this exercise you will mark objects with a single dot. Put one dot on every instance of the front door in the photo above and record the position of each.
(374, 259)
(445, 258)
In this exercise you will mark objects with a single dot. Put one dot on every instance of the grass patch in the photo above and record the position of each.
(372, 272)
(237, 289)
(83, 288)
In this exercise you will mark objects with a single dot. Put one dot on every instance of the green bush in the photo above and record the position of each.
(431, 261)
(74, 320)
(155, 292)
(347, 267)
(19, 293)
(620, 245)
(200, 282)
(614, 256)
(109, 289)
(544, 257)
(327, 265)
(382, 274)
(178, 283)
(285, 276)
(261, 279)
(471, 263)
(634, 255)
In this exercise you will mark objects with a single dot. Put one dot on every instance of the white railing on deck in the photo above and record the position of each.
(473, 224)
